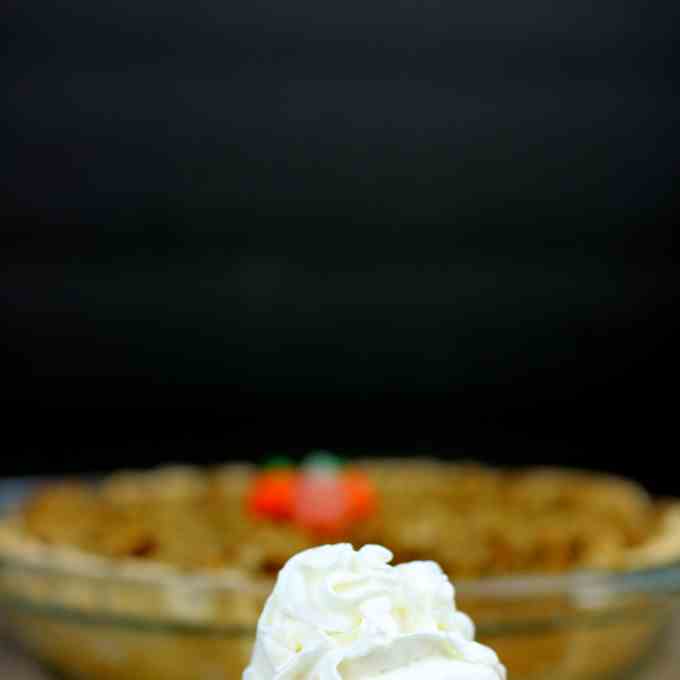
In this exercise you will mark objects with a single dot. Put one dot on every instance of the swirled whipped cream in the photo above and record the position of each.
(340, 614)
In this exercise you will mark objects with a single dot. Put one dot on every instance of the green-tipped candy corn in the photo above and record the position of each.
(323, 460)
(278, 462)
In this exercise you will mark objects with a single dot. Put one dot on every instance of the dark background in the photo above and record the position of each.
(373, 227)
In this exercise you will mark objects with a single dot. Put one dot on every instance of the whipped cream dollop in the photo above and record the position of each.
(340, 614)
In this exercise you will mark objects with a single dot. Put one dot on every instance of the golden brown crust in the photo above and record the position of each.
(476, 521)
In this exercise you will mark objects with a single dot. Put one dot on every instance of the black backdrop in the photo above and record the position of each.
(395, 227)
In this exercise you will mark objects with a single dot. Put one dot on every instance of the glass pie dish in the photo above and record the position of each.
(88, 621)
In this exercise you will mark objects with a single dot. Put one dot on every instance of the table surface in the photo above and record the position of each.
(18, 668)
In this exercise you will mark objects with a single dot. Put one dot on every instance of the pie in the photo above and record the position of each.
(183, 529)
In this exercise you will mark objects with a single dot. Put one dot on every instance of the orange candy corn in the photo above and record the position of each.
(272, 494)
(363, 499)
(323, 499)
